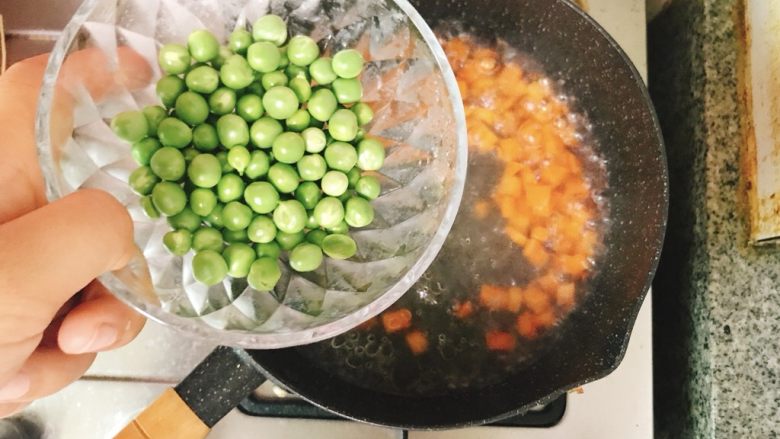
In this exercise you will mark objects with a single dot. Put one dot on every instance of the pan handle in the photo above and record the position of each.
(188, 411)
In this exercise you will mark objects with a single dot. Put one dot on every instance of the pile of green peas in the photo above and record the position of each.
(258, 148)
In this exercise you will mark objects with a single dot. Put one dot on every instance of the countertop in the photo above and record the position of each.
(717, 299)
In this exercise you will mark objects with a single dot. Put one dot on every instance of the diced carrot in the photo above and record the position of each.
(535, 253)
(574, 265)
(554, 174)
(536, 300)
(564, 296)
(517, 236)
(526, 325)
(368, 324)
(510, 184)
(463, 309)
(417, 342)
(396, 320)
(538, 198)
(493, 297)
(499, 341)
(515, 300)
(457, 51)
(540, 234)
(484, 115)
(548, 282)
(481, 209)
(545, 319)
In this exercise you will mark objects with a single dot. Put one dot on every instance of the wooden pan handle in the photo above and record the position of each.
(167, 417)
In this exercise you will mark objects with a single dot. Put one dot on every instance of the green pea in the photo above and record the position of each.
(222, 56)
(236, 73)
(339, 246)
(205, 171)
(204, 137)
(334, 183)
(308, 194)
(173, 132)
(239, 258)
(258, 165)
(178, 242)
(207, 238)
(371, 154)
(342, 125)
(130, 126)
(284, 62)
(186, 219)
(202, 79)
(348, 63)
(358, 212)
(143, 180)
(299, 121)
(222, 101)
(347, 91)
(239, 41)
(341, 227)
(236, 216)
(363, 112)
(169, 198)
(311, 222)
(329, 212)
(302, 50)
(305, 257)
(203, 45)
(288, 241)
(297, 72)
(148, 206)
(274, 79)
(314, 139)
(316, 236)
(311, 167)
(280, 102)
(290, 216)
(174, 59)
(192, 108)
(168, 89)
(353, 176)
(288, 147)
(189, 153)
(322, 104)
(222, 157)
(154, 115)
(238, 157)
(300, 86)
(202, 201)
(255, 88)
(270, 28)
(321, 71)
(250, 107)
(263, 56)
(264, 273)
(168, 163)
(268, 249)
(232, 130)
(261, 196)
(361, 134)
(283, 177)
(214, 218)
(264, 131)
(368, 187)
(235, 236)
(230, 188)
(341, 156)
(143, 150)
(209, 267)
(261, 229)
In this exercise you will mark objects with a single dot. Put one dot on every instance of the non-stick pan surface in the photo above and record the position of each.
(572, 48)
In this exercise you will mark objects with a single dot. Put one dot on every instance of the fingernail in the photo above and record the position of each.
(16, 388)
(103, 337)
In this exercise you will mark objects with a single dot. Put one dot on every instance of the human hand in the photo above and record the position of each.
(50, 252)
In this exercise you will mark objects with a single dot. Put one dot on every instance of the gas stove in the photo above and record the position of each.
(122, 382)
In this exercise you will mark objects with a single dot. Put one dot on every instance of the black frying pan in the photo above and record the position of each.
(591, 342)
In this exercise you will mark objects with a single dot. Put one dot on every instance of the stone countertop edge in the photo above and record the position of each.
(716, 299)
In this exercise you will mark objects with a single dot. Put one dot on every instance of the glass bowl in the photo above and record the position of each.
(418, 112)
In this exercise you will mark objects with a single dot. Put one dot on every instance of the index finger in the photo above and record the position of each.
(20, 87)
